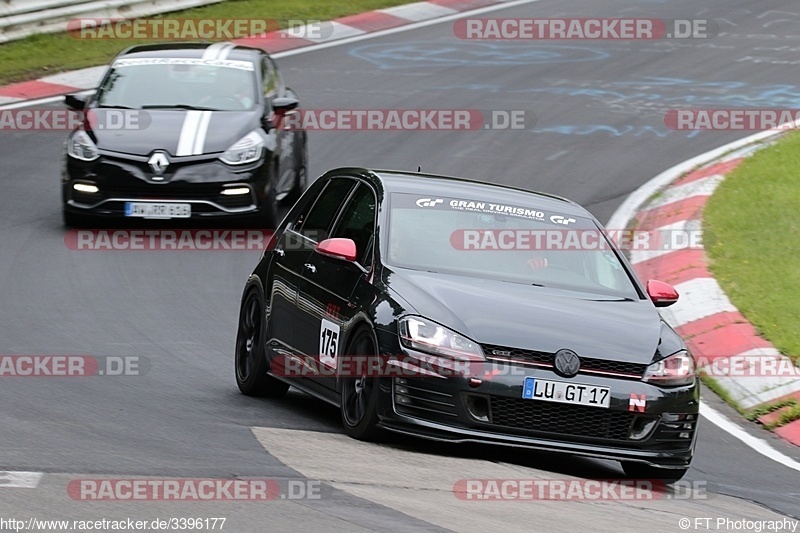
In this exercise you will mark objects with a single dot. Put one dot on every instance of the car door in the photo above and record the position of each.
(326, 286)
(292, 248)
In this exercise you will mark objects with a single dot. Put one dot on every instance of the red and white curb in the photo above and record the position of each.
(275, 43)
(713, 327)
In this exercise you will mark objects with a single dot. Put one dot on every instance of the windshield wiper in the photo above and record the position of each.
(180, 106)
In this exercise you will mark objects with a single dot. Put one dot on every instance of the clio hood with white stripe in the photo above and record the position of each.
(184, 132)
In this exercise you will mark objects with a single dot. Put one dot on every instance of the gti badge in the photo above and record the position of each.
(159, 163)
(567, 363)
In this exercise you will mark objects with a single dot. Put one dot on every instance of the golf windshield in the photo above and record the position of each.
(504, 242)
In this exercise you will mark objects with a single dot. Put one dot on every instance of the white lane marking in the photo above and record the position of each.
(202, 132)
(188, 133)
(759, 445)
(699, 298)
(701, 187)
(20, 480)
(403, 28)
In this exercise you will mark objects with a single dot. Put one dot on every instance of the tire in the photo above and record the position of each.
(251, 361)
(359, 395)
(643, 471)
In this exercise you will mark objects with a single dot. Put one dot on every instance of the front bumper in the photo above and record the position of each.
(485, 405)
(198, 182)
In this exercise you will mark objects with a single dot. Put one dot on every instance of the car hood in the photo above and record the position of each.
(167, 129)
(535, 318)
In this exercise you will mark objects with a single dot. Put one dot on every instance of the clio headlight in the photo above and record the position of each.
(80, 146)
(246, 150)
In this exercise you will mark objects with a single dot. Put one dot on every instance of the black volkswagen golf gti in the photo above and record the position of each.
(184, 130)
(468, 312)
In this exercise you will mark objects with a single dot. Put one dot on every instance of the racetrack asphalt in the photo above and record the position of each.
(599, 135)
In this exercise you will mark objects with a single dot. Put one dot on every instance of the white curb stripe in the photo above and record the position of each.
(418, 11)
(699, 298)
(675, 237)
(85, 78)
(340, 31)
(701, 187)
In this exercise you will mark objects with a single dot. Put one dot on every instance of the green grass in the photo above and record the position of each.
(717, 389)
(46, 54)
(791, 414)
(752, 235)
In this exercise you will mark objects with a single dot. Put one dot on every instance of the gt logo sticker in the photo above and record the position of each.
(429, 202)
(637, 403)
(558, 219)
(328, 343)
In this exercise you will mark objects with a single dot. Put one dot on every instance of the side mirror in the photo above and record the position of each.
(282, 105)
(338, 248)
(662, 294)
(76, 102)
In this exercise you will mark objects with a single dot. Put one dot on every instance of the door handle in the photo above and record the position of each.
(311, 268)
(280, 252)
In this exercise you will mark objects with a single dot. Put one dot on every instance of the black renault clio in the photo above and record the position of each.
(468, 312)
(184, 131)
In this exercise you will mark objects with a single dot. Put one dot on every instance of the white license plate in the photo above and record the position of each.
(157, 210)
(564, 392)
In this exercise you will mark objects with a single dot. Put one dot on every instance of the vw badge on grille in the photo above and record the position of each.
(567, 363)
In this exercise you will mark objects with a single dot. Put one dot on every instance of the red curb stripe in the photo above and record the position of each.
(273, 44)
(464, 5)
(30, 90)
(790, 432)
(717, 168)
(774, 416)
(689, 209)
(373, 21)
(674, 267)
(721, 335)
